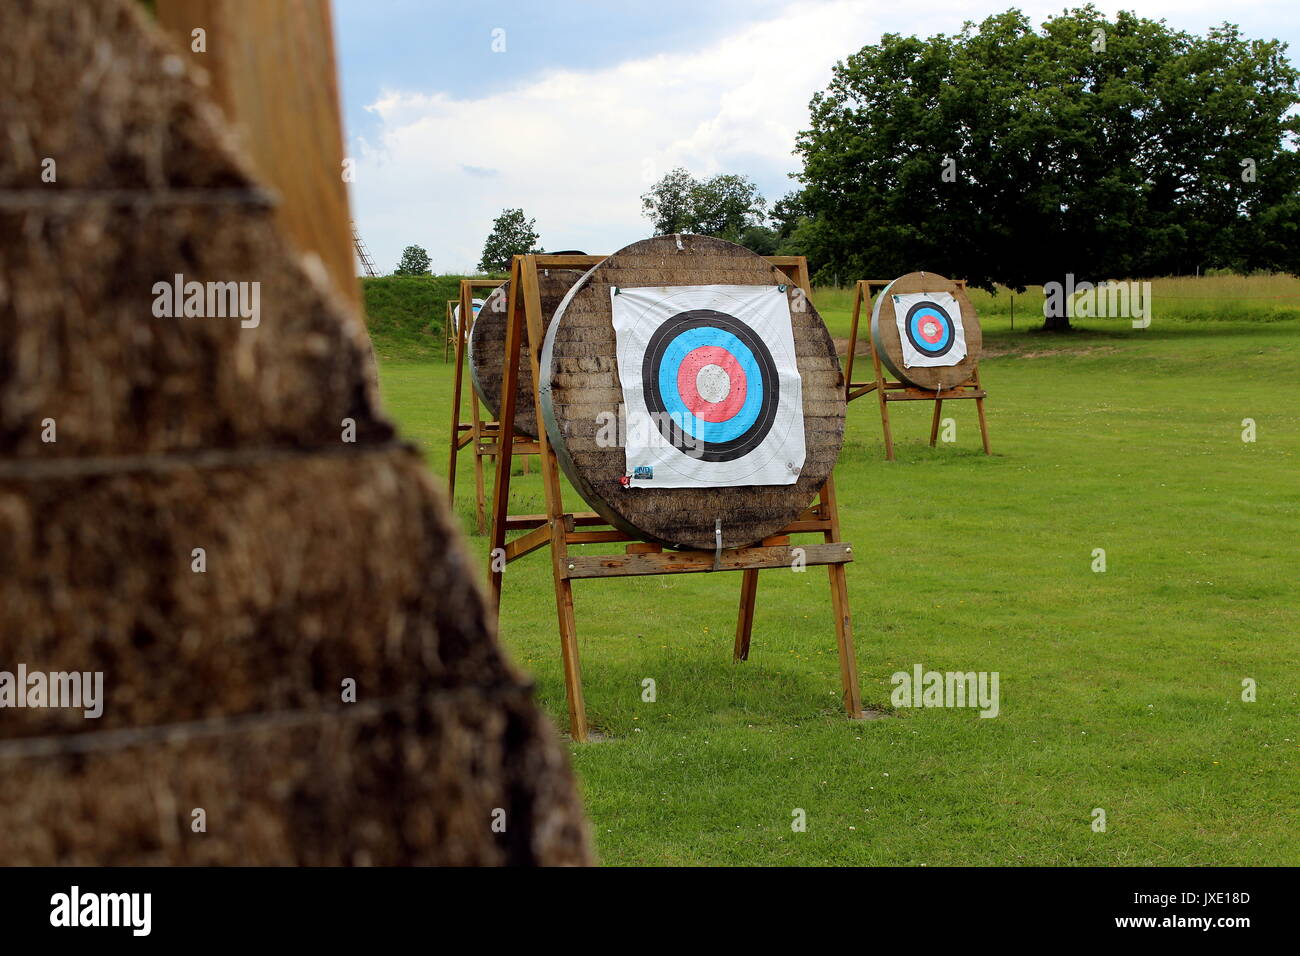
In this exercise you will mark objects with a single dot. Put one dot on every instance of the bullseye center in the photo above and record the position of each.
(713, 383)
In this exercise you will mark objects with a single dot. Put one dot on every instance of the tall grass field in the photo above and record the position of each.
(1158, 686)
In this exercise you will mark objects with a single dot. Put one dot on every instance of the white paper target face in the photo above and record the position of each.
(711, 390)
(930, 329)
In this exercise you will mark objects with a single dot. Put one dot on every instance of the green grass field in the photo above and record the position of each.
(1120, 690)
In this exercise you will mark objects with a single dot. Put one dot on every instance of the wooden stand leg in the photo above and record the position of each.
(853, 338)
(884, 424)
(934, 422)
(449, 331)
(840, 606)
(526, 286)
(505, 429)
(455, 420)
(984, 425)
(479, 493)
(844, 639)
(564, 604)
(745, 622)
(884, 405)
(569, 646)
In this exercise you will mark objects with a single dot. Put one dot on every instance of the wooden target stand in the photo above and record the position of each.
(480, 434)
(560, 528)
(451, 328)
(890, 391)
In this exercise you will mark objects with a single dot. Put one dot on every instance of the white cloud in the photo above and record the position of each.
(576, 148)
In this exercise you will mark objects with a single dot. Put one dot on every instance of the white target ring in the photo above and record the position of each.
(713, 383)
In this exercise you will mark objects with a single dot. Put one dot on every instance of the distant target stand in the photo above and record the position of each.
(479, 433)
(925, 332)
(480, 356)
(453, 323)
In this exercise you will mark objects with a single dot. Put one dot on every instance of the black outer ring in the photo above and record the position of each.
(736, 447)
(921, 346)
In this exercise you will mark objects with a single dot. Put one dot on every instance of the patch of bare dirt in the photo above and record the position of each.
(1000, 351)
(997, 350)
(842, 345)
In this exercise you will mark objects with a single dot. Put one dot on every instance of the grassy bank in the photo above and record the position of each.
(407, 314)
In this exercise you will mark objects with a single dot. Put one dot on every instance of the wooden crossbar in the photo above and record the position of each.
(688, 562)
(517, 522)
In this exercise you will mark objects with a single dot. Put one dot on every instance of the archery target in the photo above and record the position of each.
(925, 331)
(585, 399)
(487, 347)
(930, 329)
(712, 393)
(477, 304)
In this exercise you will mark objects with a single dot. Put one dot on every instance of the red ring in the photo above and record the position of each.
(935, 326)
(696, 403)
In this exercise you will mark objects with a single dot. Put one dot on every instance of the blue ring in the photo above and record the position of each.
(698, 428)
(943, 324)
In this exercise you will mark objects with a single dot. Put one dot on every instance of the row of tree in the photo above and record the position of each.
(1012, 155)
(1004, 154)
(512, 234)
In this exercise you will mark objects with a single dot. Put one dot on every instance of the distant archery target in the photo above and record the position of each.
(487, 347)
(478, 304)
(708, 374)
(925, 331)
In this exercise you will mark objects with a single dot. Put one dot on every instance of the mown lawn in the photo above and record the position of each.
(1120, 690)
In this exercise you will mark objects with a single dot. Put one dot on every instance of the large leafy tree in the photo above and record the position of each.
(512, 235)
(414, 262)
(670, 203)
(726, 205)
(788, 212)
(1103, 148)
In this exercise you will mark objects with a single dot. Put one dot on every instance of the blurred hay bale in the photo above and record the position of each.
(324, 560)
(80, 344)
(96, 88)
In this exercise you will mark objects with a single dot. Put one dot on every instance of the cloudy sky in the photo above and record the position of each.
(590, 102)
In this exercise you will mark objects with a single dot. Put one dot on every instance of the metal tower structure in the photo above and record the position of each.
(363, 254)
